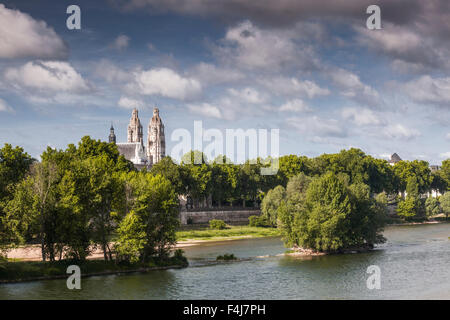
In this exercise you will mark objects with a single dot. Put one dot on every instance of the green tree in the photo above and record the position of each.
(412, 206)
(445, 172)
(445, 203)
(154, 220)
(332, 216)
(432, 207)
(14, 164)
(270, 204)
(171, 171)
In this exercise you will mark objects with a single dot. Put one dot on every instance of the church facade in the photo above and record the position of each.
(142, 156)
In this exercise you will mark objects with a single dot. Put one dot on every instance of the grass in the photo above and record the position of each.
(234, 232)
(29, 270)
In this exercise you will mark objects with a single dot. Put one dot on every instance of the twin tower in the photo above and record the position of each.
(134, 149)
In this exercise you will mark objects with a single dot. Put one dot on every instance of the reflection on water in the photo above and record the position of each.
(414, 264)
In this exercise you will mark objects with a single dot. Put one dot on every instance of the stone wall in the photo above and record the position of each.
(229, 216)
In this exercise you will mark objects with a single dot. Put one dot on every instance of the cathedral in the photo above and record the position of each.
(142, 156)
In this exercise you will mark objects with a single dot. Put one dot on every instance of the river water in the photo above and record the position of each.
(414, 264)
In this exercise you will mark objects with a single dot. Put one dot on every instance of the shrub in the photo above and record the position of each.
(217, 224)
(226, 257)
(258, 221)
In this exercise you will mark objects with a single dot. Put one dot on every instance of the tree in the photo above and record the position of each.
(445, 172)
(14, 164)
(412, 206)
(132, 238)
(270, 204)
(432, 207)
(171, 171)
(417, 169)
(333, 217)
(445, 203)
(149, 228)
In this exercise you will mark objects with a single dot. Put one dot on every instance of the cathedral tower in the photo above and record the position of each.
(112, 135)
(135, 132)
(156, 142)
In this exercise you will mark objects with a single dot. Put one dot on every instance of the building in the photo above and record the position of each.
(394, 159)
(134, 150)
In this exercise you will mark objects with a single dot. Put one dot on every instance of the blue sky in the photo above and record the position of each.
(310, 68)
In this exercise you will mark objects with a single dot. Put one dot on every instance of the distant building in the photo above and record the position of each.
(134, 149)
(394, 159)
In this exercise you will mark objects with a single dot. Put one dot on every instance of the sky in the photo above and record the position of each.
(311, 69)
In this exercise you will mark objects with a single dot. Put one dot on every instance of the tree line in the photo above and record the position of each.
(88, 196)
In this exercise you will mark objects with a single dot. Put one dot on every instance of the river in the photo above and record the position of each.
(414, 264)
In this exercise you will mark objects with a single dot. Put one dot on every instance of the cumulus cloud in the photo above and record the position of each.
(205, 109)
(129, 103)
(5, 107)
(247, 46)
(295, 105)
(121, 42)
(46, 76)
(166, 83)
(399, 131)
(210, 74)
(316, 128)
(361, 116)
(429, 90)
(107, 70)
(21, 36)
(248, 95)
(283, 86)
(352, 87)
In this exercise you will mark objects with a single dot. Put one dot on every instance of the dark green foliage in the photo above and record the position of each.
(226, 257)
(258, 221)
(217, 224)
(332, 216)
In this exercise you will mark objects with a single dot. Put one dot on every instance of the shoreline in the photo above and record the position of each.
(93, 274)
(33, 252)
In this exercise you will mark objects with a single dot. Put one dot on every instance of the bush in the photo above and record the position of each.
(217, 224)
(258, 221)
(226, 257)
(333, 217)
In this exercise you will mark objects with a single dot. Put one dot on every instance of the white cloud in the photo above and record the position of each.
(295, 105)
(210, 74)
(250, 47)
(361, 116)
(283, 86)
(47, 75)
(398, 131)
(167, 83)
(428, 89)
(316, 128)
(394, 39)
(249, 95)
(121, 42)
(5, 107)
(107, 70)
(352, 87)
(445, 155)
(21, 36)
(448, 136)
(129, 103)
(205, 109)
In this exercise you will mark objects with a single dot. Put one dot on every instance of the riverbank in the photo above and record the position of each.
(24, 271)
(231, 233)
